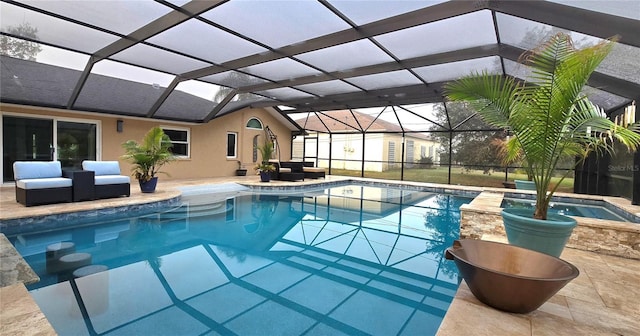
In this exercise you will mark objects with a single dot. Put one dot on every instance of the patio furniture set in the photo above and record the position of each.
(295, 171)
(39, 183)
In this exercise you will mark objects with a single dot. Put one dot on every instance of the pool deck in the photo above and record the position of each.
(603, 300)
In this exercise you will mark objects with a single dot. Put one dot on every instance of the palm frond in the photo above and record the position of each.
(548, 114)
(491, 94)
(150, 155)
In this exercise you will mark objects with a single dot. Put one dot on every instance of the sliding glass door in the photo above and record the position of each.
(33, 139)
(76, 142)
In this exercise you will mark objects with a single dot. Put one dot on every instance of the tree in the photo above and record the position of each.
(471, 149)
(234, 79)
(442, 219)
(19, 48)
(549, 114)
(425, 162)
(478, 150)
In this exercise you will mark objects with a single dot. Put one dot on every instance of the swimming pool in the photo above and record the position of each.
(345, 260)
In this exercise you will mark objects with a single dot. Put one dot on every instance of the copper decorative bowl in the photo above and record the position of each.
(507, 277)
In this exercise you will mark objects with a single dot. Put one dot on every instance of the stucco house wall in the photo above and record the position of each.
(208, 142)
(348, 147)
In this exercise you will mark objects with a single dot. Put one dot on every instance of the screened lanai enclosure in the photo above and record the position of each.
(362, 80)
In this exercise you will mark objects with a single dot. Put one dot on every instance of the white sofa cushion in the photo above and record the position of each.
(313, 169)
(44, 183)
(102, 167)
(111, 179)
(36, 169)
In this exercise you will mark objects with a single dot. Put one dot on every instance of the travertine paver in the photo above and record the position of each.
(603, 300)
(19, 313)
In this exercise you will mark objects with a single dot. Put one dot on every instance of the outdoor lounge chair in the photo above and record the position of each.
(40, 182)
(310, 171)
(108, 181)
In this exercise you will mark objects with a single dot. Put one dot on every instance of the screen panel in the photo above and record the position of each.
(277, 23)
(284, 94)
(625, 8)
(204, 41)
(281, 69)
(158, 59)
(377, 10)
(441, 36)
(121, 17)
(346, 56)
(123, 88)
(385, 80)
(192, 100)
(44, 76)
(328, 88)
(233, 79)
(36, 26)
(454, 70)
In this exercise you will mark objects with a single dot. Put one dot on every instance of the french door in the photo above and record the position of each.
(33, 139)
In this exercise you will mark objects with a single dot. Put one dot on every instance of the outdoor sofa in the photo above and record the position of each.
(310, 171)
(41, 182)
(45, 182)
(286, 173)
(306, 168)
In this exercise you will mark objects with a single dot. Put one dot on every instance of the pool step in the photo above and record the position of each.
(55, 252)
(63, 260)
(194, 210)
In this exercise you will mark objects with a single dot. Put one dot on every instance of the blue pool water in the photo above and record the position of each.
(350, 260)
(569, 209)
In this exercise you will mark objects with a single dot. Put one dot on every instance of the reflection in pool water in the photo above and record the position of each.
(347, 260)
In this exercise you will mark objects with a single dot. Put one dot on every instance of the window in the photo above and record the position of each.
(392, 152)
(180, 139)
(254, 123)
(232, 144)
(255, 148)
(410, 151)
(230, 215)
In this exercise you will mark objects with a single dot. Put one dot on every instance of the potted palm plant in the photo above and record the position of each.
(241, 171)
(148, 157)
(264, 167)
(550, 118)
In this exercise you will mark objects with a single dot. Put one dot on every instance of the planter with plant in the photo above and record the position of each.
(241, 171)
(148, 157)
(551, 118)
(503, 153)
(264, 167)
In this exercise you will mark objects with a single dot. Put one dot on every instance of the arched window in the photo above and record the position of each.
(254, 123)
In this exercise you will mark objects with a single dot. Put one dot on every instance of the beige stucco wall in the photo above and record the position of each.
(208, 141)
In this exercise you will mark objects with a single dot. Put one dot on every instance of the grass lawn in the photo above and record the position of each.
(458, 177)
